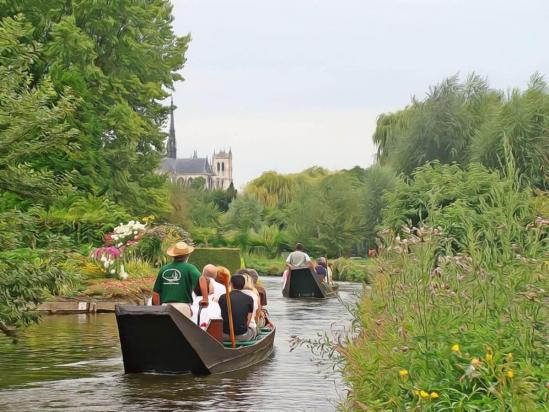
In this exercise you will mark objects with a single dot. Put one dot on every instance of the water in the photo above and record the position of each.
(73, 362)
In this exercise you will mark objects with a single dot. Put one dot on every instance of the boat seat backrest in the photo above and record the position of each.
(215, 329)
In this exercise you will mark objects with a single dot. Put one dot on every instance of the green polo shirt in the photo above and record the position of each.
(176, 281)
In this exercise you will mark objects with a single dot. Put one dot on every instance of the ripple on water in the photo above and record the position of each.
(73, 362)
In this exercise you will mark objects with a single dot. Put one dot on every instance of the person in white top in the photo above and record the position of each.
(213, 311)
(296, 260)
(299, 259)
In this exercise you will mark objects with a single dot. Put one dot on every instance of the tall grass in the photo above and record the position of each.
(457, 329)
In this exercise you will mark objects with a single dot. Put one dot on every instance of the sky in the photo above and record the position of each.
(291, 84)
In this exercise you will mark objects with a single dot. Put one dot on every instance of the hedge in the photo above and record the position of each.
(228, 257)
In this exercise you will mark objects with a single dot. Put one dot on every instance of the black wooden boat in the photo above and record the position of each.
(304, 283)
(160, 339)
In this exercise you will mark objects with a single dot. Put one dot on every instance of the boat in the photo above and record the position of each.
(160, 339)
(304, 283)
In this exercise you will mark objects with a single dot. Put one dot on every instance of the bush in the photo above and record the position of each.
(352, 270)
(265, 266)
(228, 257)
(465, 328)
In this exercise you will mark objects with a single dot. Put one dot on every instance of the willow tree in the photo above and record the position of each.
(521, 124)
(440, 127)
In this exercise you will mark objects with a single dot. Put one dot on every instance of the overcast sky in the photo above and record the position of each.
(288, 84)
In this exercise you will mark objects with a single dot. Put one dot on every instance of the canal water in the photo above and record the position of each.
(73, 362)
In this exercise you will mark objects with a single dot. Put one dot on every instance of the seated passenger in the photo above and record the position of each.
(321, 269)
(262, 292)
(250, 290)
(242, 308)
(213, 310)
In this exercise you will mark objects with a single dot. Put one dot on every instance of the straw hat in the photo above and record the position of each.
(179, 249)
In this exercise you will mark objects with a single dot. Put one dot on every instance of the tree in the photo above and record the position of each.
(118, 59)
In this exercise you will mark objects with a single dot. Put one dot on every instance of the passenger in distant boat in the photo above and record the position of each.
(242, 307)
(176, 281)
(321, 269)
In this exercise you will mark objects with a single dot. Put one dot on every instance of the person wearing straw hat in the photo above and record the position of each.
(175, 281)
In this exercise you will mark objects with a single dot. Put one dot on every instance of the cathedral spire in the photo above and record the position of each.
(171, 146)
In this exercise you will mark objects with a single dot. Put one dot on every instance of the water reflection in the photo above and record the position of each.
(73, 362)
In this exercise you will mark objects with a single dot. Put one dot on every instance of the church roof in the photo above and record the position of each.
(192, 166)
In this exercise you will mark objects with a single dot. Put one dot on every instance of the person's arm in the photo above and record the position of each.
(249, 318)
(157, 288)
(310, 263)
(288, 264)
(204, 284)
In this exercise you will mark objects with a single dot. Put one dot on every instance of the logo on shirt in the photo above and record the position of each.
(171, 276)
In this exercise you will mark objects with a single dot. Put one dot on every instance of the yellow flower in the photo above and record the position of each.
(489, 357)
(423, 394)
(403, 373)
(434, 395)
(510, 374)
(475, 362)
(509, 357)
(455, 348)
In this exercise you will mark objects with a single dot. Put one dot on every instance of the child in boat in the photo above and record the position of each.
(242, 308)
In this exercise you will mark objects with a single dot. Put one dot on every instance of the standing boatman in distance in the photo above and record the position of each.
(299, 259)
(176, 281)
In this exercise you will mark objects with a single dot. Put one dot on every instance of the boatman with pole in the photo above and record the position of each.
(177, 280)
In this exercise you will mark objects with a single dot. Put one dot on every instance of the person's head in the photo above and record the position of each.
(254, 275)
(248, 282)
(180, 251)
(238, 282)
(299, 247)
(321, 261)
(210, 271)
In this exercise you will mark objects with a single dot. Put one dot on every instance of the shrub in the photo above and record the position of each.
(457, 316)
(228, 257)
(353, 270)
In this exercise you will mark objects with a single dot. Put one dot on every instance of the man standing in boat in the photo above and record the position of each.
(177, 280)
(299, 259)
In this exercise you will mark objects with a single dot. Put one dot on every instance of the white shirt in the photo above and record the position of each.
(298, 259)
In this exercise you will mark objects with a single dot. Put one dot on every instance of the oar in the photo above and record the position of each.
(224, 277)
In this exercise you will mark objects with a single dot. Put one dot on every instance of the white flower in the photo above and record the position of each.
(123, 276)
(112, 271)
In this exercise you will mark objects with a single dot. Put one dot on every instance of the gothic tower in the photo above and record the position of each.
(222, 165)
(171, 146)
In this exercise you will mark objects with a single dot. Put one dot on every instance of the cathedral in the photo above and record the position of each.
(217, 171)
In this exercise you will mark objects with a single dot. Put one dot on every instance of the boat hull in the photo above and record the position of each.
(159, 339)
(304, 283)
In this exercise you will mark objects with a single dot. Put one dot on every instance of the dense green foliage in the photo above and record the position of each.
(469, 122)
(228, 257)
(456, 330)
(81, 85)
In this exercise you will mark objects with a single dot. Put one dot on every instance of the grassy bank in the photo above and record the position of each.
(456, 319)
